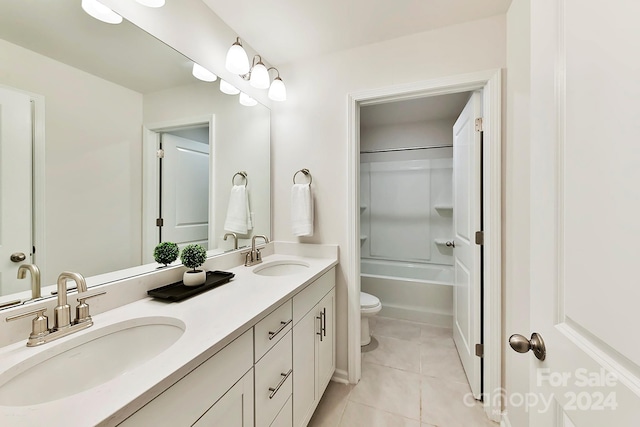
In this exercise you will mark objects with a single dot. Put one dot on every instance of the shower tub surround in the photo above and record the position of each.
(212, 320)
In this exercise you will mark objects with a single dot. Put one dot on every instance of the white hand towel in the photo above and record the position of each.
(238, 212)
(301, 210)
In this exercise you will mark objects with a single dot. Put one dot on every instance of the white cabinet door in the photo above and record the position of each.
(314, 358)
(234, 409)
(326, 342)
(304, 368)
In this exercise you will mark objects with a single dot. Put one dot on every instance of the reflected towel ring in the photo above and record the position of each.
(305, 172)
(242, 174)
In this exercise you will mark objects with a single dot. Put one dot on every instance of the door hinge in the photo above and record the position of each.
(160, 153)
(479, 237)
(479, 124)
(159, 222)
(480, 350)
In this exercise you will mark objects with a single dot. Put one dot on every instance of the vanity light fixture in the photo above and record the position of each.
(100, 12)
(151, 3)
(237, 60)
(201, 73)
(246, 100)
(228, 88)
(258, 75)
(277, 90)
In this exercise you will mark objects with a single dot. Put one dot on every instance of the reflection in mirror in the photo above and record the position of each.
(93, 104)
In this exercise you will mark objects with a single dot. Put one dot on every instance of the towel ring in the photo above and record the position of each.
(306, 173)
(242, 174)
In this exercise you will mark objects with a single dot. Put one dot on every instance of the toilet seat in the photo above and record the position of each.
(368, 300)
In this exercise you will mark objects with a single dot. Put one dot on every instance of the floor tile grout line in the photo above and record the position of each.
(383, 410)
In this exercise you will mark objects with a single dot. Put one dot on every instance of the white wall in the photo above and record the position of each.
(92, 150)
(242, 144)
(310, 129)
(516, 206)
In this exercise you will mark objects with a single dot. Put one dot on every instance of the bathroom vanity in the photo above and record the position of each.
(258, 351)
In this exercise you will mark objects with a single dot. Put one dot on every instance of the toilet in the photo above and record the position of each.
(369, 306)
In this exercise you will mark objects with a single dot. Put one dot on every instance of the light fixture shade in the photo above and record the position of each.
(100, 12)
(201, 73)
(246, 100)
(237, 61)
(151, 3)
(259, 76)
(228, 88)
(277, 91)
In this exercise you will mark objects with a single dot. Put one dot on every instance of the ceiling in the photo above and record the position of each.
(441, 107)
(287, 30)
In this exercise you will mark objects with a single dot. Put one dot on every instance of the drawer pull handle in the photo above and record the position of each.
(323, 323)
(282, 326)
(284, 378)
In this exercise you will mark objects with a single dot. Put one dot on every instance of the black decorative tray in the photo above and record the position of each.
(178, 291)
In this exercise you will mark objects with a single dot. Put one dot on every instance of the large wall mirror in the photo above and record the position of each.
(124, 135)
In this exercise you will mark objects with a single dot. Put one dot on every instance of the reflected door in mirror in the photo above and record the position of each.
(15, 187)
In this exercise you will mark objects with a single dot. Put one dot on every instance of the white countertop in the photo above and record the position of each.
(212, 320)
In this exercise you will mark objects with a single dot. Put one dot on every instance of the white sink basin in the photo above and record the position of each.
(281, 268)
(92, 359)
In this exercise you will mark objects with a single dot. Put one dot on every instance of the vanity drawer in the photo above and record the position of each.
(271, 329)
(285, 417)
(306, 299)
(273, 381)
(185, 401)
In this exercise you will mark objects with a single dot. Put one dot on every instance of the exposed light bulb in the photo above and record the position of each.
(201, 73)
(151, 3)
(259, 76)
(237, 61)
(246, 100)
(100, 12)
(228, 88)
(277, 91)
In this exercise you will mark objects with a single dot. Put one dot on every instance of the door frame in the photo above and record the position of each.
(489, 82)
(151, 173)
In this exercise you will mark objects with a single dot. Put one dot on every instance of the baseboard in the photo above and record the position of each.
(340, 376)
(504, 422)
(434, 318)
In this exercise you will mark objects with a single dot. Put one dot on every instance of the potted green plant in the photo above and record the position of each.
(165, 253)
(193, 256)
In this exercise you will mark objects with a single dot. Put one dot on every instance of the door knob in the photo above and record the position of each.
(522, 345)
(17, 257)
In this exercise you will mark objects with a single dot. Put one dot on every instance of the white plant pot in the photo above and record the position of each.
(194, 277)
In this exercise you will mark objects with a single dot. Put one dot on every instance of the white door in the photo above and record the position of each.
(15, 187)
(185, 191)
(467, 151)
(585, 213)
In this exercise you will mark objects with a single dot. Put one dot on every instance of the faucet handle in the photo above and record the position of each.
(39, 325)
(82, 309)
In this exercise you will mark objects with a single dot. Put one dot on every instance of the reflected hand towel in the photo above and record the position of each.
(301, 210)
(238, 212)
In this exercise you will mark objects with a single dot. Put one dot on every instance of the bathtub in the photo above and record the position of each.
(410, 291)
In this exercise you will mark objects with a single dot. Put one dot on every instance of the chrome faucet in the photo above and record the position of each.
(235, 239)
(62, 325)
(254, 256)
(62, 312)
(35, 278)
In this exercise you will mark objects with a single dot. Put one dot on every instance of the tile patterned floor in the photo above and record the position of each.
(414, 378)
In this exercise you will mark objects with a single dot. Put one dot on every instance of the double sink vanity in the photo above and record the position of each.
(257, 351)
